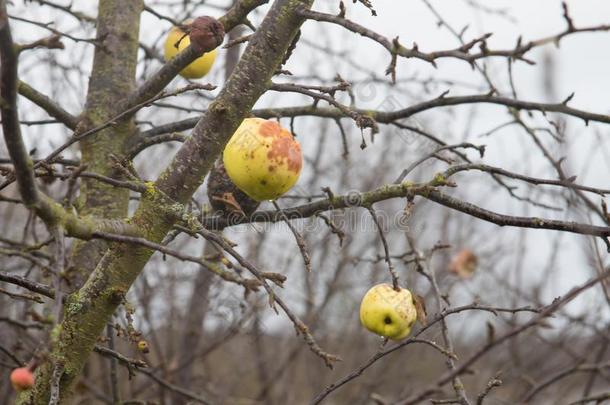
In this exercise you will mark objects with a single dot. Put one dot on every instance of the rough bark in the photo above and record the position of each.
(10, 118)
(112, 80)
(88, 310)
(198, 302)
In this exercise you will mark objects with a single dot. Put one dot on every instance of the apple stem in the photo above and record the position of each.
(33, 364)
(177, 44)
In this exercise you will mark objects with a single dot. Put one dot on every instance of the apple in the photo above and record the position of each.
(143, 346)
(22, 378)
(263, 159)
(200, 66)
(388, 312)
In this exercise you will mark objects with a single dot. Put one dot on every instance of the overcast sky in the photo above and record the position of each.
(580, 65)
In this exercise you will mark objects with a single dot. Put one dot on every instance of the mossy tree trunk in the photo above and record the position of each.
(112, 80)
(87, 311)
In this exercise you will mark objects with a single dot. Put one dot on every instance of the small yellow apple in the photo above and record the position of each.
(263, 159)
(200, 66)
(143, 346)
(387, 312)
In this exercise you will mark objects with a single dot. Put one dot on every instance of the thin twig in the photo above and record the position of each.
(299, 239)
(300, 327)
(386, 249)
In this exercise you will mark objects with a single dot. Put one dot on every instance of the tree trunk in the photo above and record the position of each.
(88, 310)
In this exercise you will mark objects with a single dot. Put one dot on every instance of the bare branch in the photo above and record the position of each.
(50, 106)
(10, 118)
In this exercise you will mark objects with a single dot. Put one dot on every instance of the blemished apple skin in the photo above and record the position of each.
(199, 67)
(263, 159)
(387, 312)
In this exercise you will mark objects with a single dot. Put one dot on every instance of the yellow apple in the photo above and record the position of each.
(387, 312)
(263, 159)
(143, 346)
(200, 66)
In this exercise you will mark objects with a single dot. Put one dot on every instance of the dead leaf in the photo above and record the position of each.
(420, 308)
(464, 264)
(491, 333)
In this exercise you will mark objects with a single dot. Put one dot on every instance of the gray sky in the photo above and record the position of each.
(581, 65)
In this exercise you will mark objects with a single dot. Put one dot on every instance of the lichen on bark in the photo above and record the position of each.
(91, 307)
(112, 80)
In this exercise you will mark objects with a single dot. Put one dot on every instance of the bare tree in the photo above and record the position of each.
(110, 245)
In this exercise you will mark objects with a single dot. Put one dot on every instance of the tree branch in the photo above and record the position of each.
(86, 316)
(10, 118)
(50, 106)
(462, 53)
(390, 117)
(427, 191)
(28, 284)
(157, 82)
